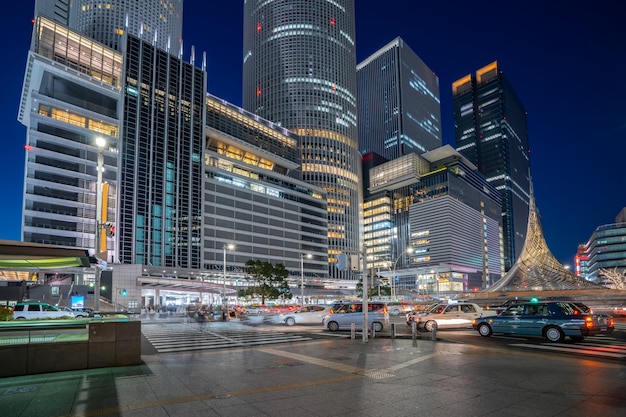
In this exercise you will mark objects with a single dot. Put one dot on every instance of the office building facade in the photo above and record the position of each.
(491, 131)
(158, 22)
(160, 203)
(299, 72)
(256, 206)
(398, 103)
(606, 249)
(68, 101)
(454, 234)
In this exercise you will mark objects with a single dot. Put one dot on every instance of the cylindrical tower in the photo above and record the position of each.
(300, 72)
(156, 21)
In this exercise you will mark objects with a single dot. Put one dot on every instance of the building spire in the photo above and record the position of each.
(536, 268)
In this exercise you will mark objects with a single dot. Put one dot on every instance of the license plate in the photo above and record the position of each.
(603, 328)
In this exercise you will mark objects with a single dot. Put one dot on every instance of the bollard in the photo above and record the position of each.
(352, 330)
(433, 335)
(393, 331)
(414, 333)
(373, 332)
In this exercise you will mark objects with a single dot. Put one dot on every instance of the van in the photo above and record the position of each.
(36, 310)
(352, 312)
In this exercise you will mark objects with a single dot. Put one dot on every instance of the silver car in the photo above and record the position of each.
(352, 313)
(303, 315)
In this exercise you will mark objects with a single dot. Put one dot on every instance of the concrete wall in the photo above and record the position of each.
(110, 344)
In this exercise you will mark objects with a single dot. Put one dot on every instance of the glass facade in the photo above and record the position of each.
(255, 201)
(399, 106)
(299, 71)
(491, 132)
(161, 189)
(158, 22)
(606, 249)
(70, 97)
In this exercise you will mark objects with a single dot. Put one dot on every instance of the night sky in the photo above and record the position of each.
(566, 60)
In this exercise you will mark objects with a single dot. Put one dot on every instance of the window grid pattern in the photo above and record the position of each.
(300, 72)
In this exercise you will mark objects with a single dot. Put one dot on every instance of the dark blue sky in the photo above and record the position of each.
(566, 61)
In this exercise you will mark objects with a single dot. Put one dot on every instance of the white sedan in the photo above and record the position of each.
(303, 315)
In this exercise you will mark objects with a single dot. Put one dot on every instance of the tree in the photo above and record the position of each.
(384, 288)
(615, 279)
(267, 281)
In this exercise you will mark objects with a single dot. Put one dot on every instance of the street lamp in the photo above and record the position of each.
(308, 256)
(100, 143)
(393, 277)
(230, 246)
(436, 278)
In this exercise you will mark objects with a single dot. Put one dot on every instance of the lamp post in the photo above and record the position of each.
(393, 278)
(100, 143)
(230, 246)
(308, 256)
(436, 278)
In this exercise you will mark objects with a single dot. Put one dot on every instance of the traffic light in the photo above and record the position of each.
(110, 229)
(123, 292)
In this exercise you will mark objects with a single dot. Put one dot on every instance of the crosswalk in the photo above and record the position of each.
(601, 347)
(181, 337)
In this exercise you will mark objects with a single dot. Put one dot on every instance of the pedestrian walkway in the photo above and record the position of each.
(329, 377)
(180, 337)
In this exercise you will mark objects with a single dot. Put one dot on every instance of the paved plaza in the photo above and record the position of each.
(333, 376)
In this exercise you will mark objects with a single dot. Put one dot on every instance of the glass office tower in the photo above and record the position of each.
(491, 131)
(68, 101)
(160, 210)
(158, 22)
(299, 71)
(399, 106)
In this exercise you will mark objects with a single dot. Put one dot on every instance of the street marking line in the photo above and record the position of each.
(589, 352)
(202, 397)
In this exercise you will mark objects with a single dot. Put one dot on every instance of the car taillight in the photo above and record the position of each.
(611, 322)
(589, 322)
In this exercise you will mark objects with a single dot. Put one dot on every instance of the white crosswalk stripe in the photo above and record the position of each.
(180, 337)
(595, 346)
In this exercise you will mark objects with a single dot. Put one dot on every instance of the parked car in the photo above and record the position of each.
(303, 315)
(428, 309)
(454, 315)
(553, 320)
(352, 312)
(498, 308)
(84, 312)
(29, 310)
(397, 309)
(619, 311)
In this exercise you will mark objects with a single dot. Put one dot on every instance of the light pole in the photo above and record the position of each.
(302, 255)
(230, 246)
(100, 142)
(436, 278)
(393, 278)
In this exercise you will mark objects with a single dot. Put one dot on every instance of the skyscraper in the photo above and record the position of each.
(398, 102)
(159, 22)
(160, 186)
(299, 71)
(68, 100)
(491, 131)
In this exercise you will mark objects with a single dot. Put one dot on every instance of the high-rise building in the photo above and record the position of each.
(606, 249)
(491, 131)
(158, 22)
(399, 114)
(69, 100)
(255, 201)
(56, 10)
(299, 72)
(454, 222)
(160, 188)
(398, 103)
